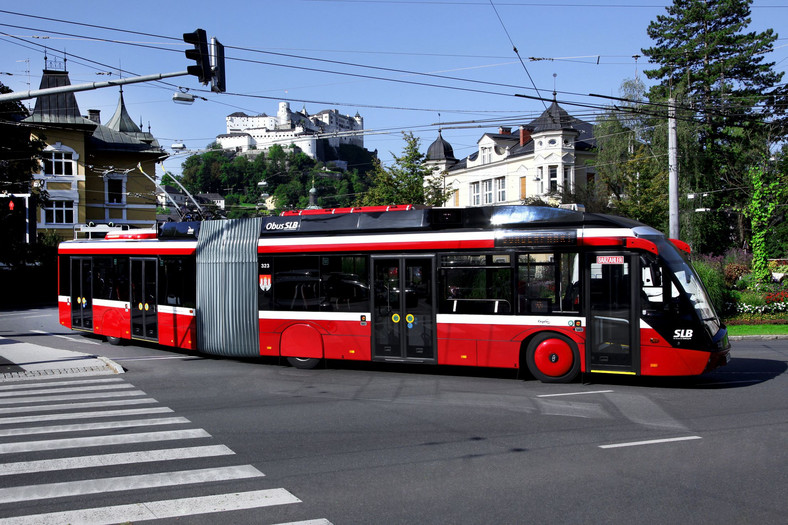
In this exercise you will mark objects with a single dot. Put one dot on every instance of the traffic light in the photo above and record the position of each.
(200, 54)
(17, 219)
(217, 81)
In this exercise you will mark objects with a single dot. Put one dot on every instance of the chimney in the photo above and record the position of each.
(95, 115)
(504, 131)
(525, 135)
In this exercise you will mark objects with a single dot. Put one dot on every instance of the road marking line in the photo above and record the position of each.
(40, 384)
(98, 441)
(38, 399)
(576, 393)
(84, 415)
(154, 357)
(650, 442)
(81, 427)
(123, 483)
(68, 338)
(103, 460)
(72, 406)
(21, 314)
(152, 510)
(321, 521)
(95, 388)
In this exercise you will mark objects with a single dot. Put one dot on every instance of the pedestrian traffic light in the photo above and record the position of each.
(200, 54)
(217, 81)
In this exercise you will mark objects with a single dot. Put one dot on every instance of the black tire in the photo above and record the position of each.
(117, 341)
(304, 363)
(553, 358)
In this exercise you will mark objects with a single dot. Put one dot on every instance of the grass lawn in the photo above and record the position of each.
(758, 329)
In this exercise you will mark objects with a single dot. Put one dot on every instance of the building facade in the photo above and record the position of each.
(310, 133)
(89, 170)
(537, 161)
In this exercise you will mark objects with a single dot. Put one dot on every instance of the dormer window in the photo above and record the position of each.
(552, 142)
(486, 155)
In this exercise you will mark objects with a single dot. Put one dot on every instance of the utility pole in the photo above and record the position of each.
(673, 171)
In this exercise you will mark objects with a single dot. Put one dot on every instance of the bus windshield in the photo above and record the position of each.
(689, 283)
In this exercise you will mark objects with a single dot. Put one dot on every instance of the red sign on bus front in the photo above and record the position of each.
(610, 259)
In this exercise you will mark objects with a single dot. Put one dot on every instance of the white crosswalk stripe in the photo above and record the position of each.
(84, 415)
(70, 406)
(151, 510)
(108, 419)
(103, 460)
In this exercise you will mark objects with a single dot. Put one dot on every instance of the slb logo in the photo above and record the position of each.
(682, 334)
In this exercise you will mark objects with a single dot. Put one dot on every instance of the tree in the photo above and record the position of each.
(408, 181)
(630, 178)
(20, 157)
(726, 92)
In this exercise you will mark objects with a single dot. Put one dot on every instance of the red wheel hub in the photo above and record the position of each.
(554, 357)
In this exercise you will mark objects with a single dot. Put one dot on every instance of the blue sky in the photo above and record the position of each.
(291, 49)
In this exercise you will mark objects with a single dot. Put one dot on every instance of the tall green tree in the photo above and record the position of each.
(20, 154)
(631, 177)
(408, 181)
(706, 58)
(20, 157)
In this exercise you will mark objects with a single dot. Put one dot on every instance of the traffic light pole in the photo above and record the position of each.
(24, 95)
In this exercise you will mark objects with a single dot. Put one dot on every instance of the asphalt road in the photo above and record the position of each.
(367, 443)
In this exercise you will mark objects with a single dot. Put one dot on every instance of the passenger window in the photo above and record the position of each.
(476, 284)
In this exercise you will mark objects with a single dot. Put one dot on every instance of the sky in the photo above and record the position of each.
(387, 60)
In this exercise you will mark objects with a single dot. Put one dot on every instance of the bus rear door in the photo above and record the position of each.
(144, 322)
(612, 343)
(403, 309)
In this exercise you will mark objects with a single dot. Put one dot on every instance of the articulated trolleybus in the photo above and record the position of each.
(555, 291)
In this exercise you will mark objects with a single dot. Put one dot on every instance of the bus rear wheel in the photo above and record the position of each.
(553, 358)
(114, 340)
(304, 363)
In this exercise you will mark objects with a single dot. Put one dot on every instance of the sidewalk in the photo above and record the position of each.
(20, 361)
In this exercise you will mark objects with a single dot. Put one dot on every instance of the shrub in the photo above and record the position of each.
(711, 276)
(733, 272)
(737, 256)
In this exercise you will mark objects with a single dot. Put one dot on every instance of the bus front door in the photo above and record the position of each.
(612, 343)
(403, 309)
(82, 293)
(144, 322)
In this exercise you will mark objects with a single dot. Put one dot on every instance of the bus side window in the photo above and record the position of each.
(547, 282)
(476, 284)
(344, 283)
(651, 290)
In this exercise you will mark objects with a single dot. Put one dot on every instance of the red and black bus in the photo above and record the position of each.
(555, 291)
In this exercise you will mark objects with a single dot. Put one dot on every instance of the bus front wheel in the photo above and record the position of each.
(304, 363)
(114, 340)
(553, 358)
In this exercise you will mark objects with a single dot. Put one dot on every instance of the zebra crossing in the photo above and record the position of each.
(79, 442)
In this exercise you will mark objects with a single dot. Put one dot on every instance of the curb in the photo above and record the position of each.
(757, 337)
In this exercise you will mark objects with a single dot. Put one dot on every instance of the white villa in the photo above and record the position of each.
(537, 160)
